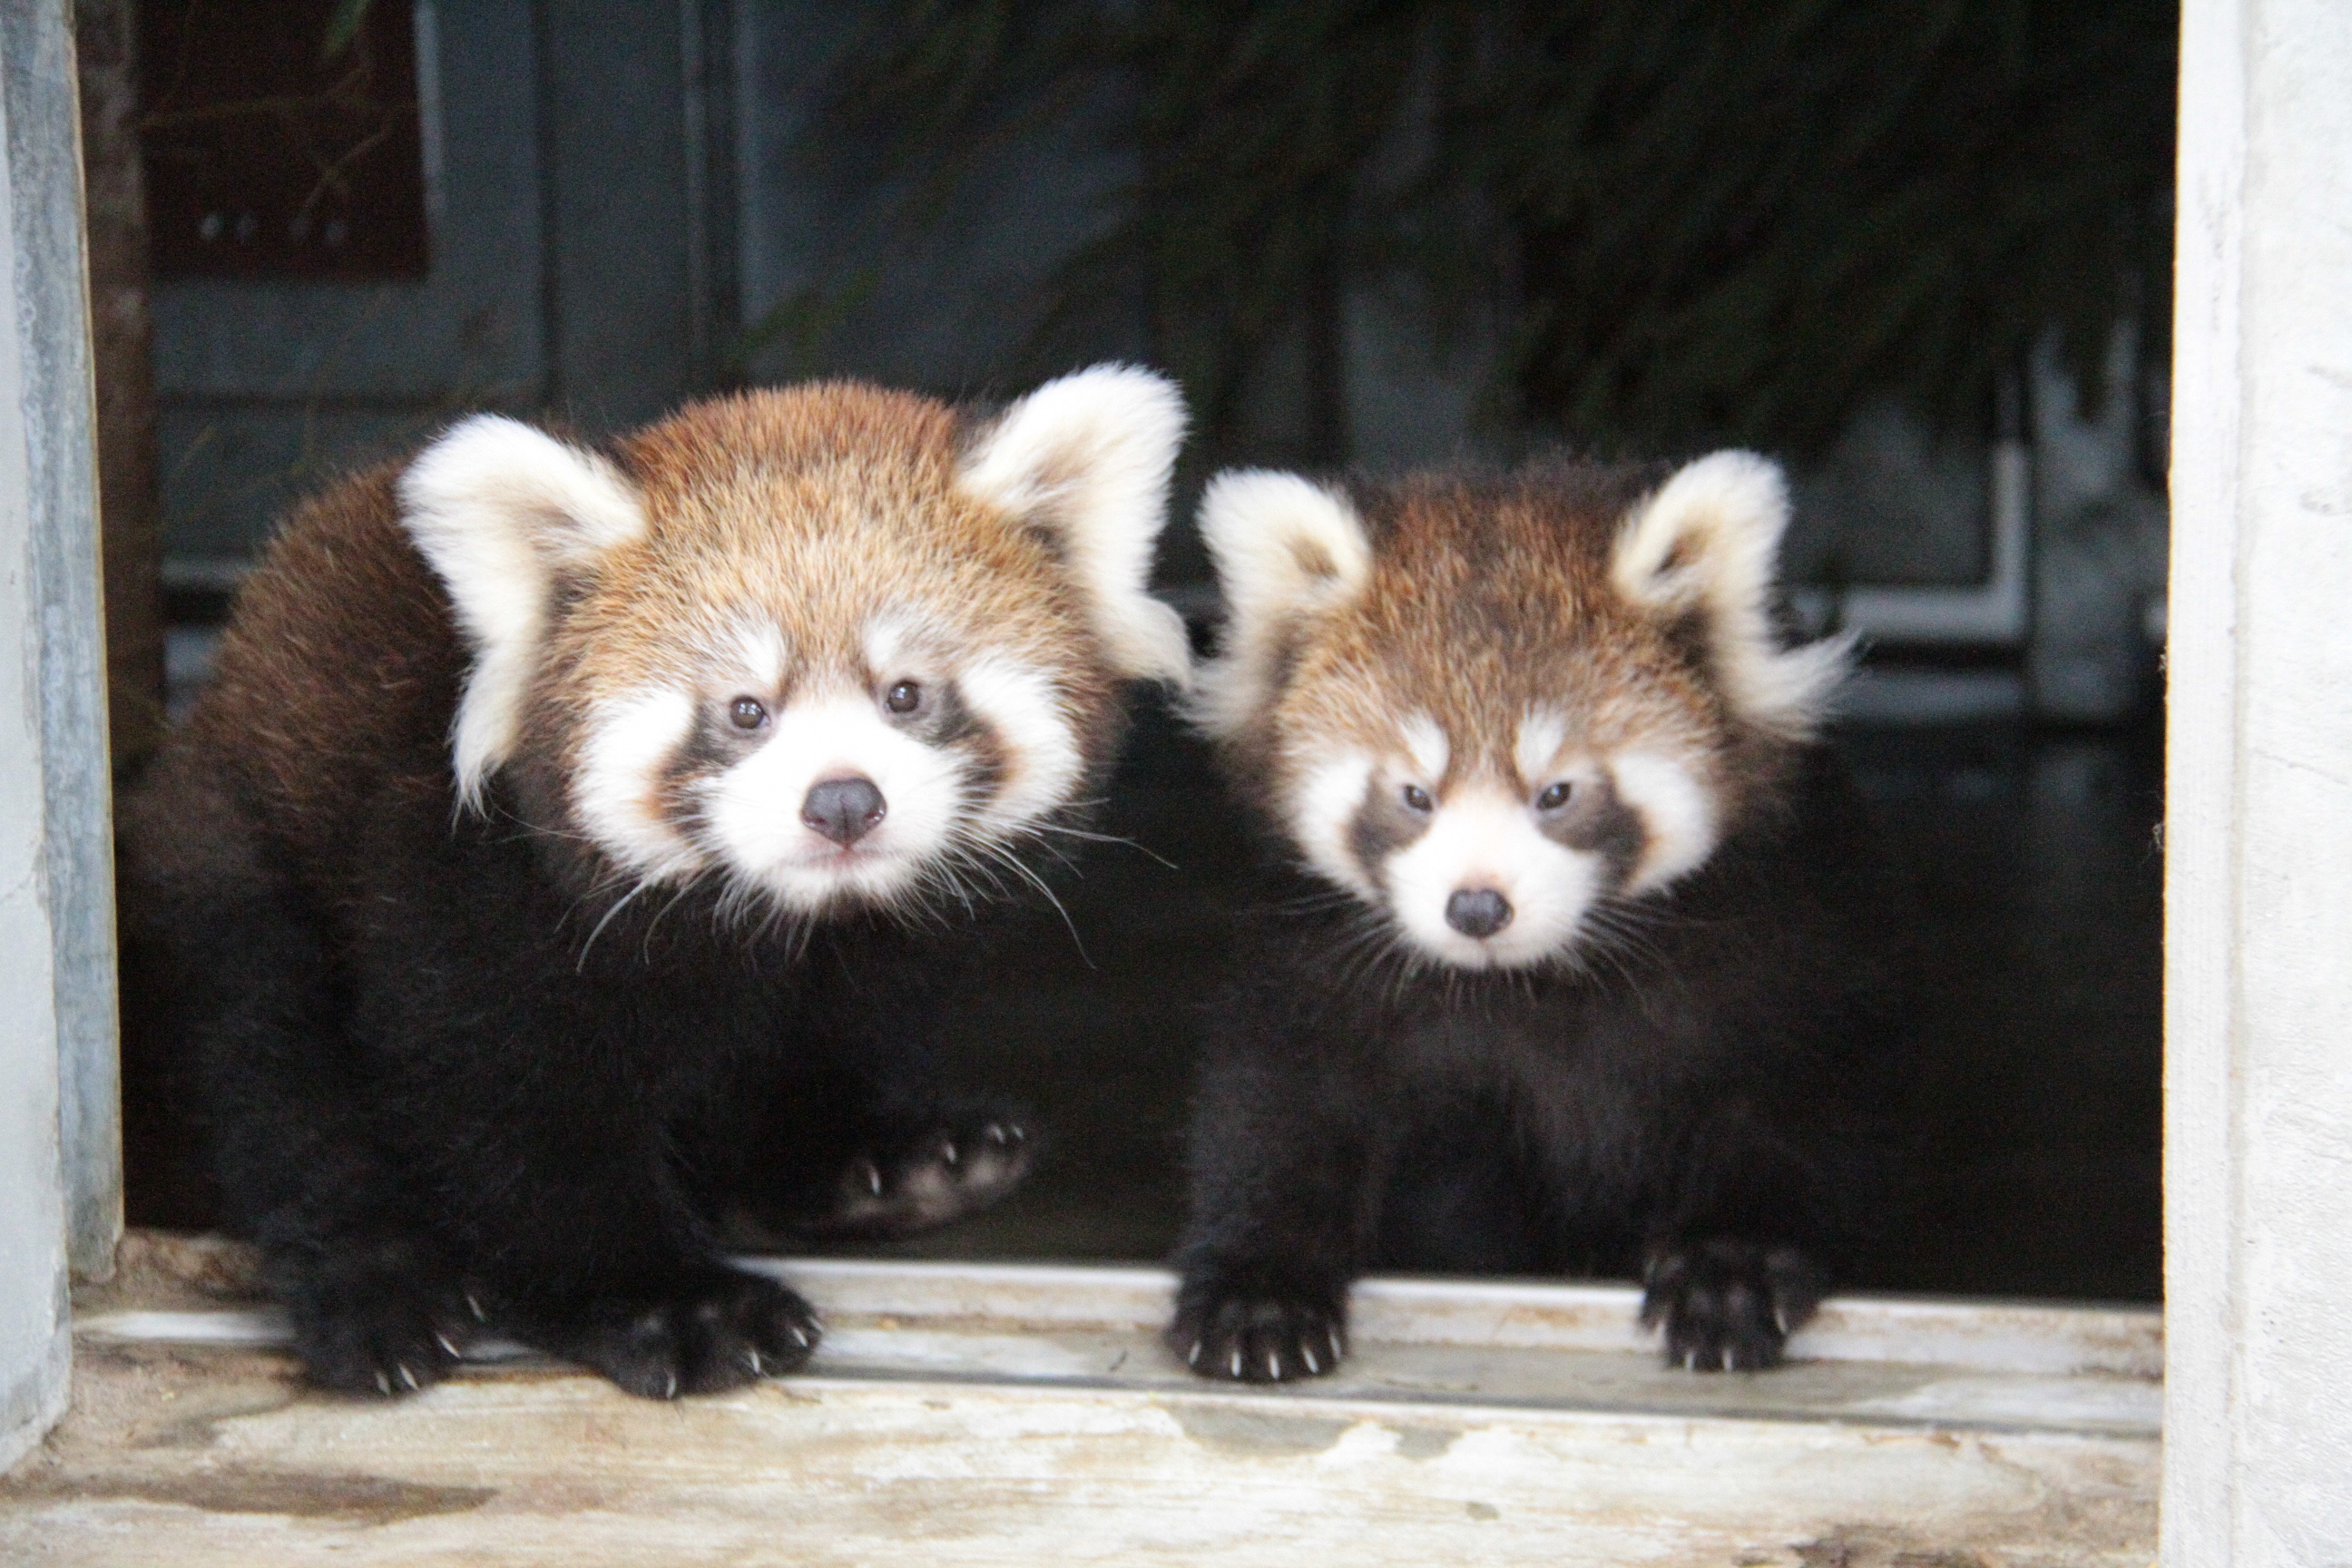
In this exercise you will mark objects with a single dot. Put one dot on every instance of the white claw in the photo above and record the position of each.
(757, 1370)
(1274, 1366)
(446, 1346)
(407, 1376)
(383, 1383)
(1306, 1354)
(948, 1152)
(874, 1177)
(1780, 1320)
(669, 1386)
(1727, 1358)
(1338, 1354)
(1237, 1361)
(1192, 1356)
(800, 1336)
(1690, 1361)
(476, 1307)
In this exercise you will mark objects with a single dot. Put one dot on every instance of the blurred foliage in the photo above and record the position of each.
(1701, 220)
(343, 27)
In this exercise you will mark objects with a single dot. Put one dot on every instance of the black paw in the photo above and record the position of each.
(1254, 1335)
(380, 1319)
(718, 1330)
(952, 1170)
(1728, 1306)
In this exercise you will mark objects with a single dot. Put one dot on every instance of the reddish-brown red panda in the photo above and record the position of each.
(1577, 955)
(579, 843)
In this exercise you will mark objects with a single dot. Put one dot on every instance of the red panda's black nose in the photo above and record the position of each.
(843, 810)
(1477, 912)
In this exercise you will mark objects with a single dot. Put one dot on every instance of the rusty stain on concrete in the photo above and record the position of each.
(291, 1494)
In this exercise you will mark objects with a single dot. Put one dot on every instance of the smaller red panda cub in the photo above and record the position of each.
(579, 847)
(1577, 954)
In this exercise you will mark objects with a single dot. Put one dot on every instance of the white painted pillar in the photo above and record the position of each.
(2258, 1090)
(34, 1343)
(58, 405)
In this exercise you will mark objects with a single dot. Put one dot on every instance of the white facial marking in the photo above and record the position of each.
(1487, 839)
(1323, 809)
(1541, 735)
(620, 765)
(1042, 750)
(760, 656)
(1680, 817)
(1426, 744)
(753, 807)
(889, 645)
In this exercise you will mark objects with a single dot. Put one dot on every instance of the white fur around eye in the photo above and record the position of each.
(751, 810)
(1678, 812)
(1487, 839)
(1323, 807)
(1027, 711)
(757, 656)
(628, 742)
(888, 644)
(1541, 736)
(1426, 744)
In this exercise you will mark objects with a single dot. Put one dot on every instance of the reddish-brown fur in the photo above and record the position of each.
(434, 1091)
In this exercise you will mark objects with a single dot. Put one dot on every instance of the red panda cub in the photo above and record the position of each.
(1577, 955)
(579, 847)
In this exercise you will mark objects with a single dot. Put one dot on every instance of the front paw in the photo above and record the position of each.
(379, 1318)
(1258, 1334)
(718, 1330)
(958, 1168)
(1728, 1306)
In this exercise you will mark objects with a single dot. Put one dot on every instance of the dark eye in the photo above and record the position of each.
(1416, 798)
(904, 698)
(747, 713)
(1555, 798)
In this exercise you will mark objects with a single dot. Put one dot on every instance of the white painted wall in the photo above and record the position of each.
(33, 1328)
(2258, 1426)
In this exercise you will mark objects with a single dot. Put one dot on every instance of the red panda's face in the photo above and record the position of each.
(819, 649)
(1500, 714)
(1496, 848)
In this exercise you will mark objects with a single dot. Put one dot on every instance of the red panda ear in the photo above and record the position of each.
(1285, 547)
(1087, 458)
(497, 509)
(1708, 542)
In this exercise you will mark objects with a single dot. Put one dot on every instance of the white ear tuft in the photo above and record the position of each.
(1088, 457)
(497, 508)
(1708, 543)
(1284, 547)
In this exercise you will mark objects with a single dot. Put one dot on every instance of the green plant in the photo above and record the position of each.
(1704, 219)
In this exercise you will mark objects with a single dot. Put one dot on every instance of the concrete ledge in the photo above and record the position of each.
(995, 1414)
